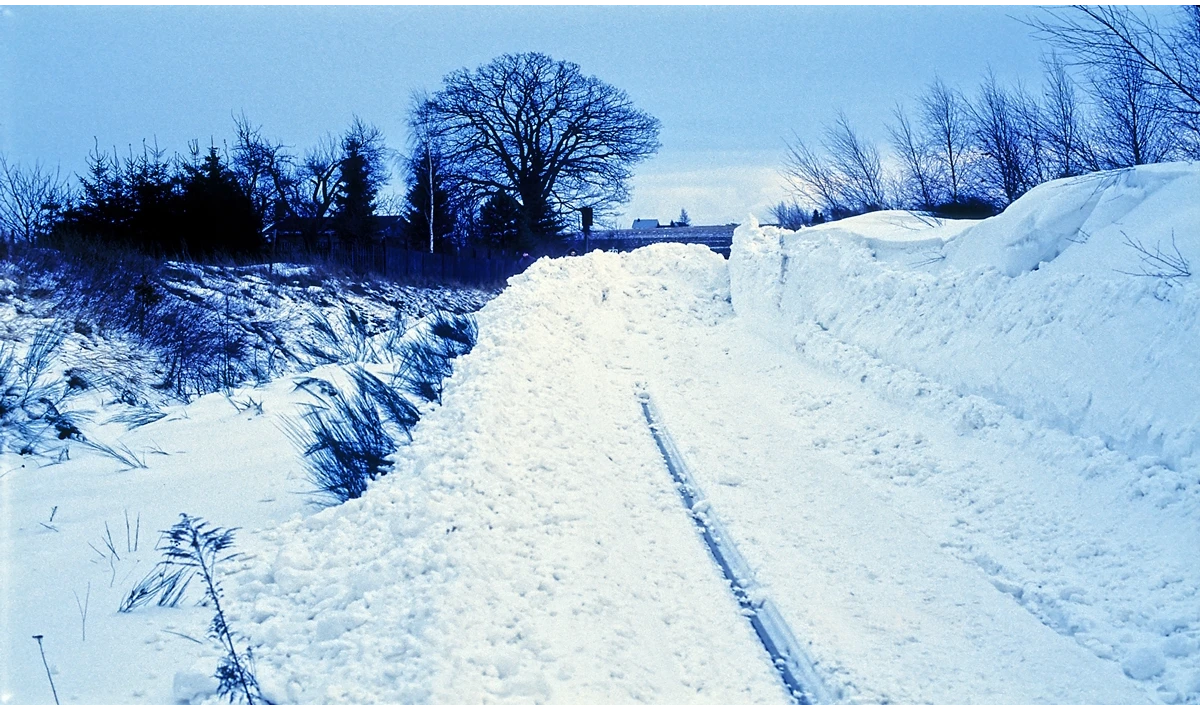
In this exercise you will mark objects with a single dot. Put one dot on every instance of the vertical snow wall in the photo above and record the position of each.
(1073, 341)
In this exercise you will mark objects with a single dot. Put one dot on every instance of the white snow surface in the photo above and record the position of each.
(1039, 309)
(959, 457)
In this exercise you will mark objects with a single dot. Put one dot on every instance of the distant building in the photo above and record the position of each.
(645, 224)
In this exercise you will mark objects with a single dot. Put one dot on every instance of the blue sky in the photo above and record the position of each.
(730, 84)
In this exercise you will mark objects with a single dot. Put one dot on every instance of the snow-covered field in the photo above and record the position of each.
(961, 459)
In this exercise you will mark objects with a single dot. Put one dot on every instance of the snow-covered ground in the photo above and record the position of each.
(960, 458)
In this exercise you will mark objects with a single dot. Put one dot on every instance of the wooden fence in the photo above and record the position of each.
(481, 268)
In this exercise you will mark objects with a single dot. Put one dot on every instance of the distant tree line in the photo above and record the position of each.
(500, 157)
(1118, 90)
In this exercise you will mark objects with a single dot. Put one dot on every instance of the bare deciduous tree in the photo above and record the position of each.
(998, 137)
(945, 117)
(916, 155)
(1062, 121)
(540, 131)
(847, 178)
(1133, 124)
(314, 187)
(424, 151)
(265, 171)
(1034, 144)
(31, 200)
(813, 177)
(858, 161)
(1108, 40)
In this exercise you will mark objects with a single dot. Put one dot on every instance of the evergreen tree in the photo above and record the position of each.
(354, 204)
(499, 222)
(361, 173)
(427, 191)
(150, 190)
(538, 224)
(131, 202)
(215, 214)
(167, 208)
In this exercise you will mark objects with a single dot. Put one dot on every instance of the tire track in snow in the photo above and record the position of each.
(794, 665)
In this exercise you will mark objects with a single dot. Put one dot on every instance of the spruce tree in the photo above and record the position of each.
(361, 173)
(215, 215)
(427, 192)
(354, 204)
(499, 222)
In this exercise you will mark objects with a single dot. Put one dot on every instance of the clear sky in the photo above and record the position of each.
(730, 84)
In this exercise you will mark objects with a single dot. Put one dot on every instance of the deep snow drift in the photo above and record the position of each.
(1043, 309)
(958, 457)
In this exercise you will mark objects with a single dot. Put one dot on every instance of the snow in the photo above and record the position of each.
(959, 458)
(215, 457)
(1075, 343)
(1079, 225)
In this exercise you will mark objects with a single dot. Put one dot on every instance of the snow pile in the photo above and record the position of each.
(1038, 309)
(529, 545)
(1084, 225)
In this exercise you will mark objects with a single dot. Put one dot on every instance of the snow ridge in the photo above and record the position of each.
(1030, 309)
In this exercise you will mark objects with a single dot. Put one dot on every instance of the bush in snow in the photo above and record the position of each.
(387, 400)
(344, 439)
(425, 358)
(199, 344)
(348, 340)
(30, 399)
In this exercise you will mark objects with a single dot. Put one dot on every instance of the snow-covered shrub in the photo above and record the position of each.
(425, 358)
(341, 341)
(31, 399)
(345, 442)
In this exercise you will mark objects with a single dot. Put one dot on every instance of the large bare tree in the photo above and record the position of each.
(946, 119)
(540, 131)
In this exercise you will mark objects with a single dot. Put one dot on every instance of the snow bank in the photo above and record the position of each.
(529, 546)
(1034, 309)
(1081, 225)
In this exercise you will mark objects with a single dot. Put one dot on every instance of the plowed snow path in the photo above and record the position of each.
(893, 615)
(530, 546)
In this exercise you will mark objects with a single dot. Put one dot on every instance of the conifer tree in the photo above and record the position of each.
(499, 222)
(427, 192)
(361, 173)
